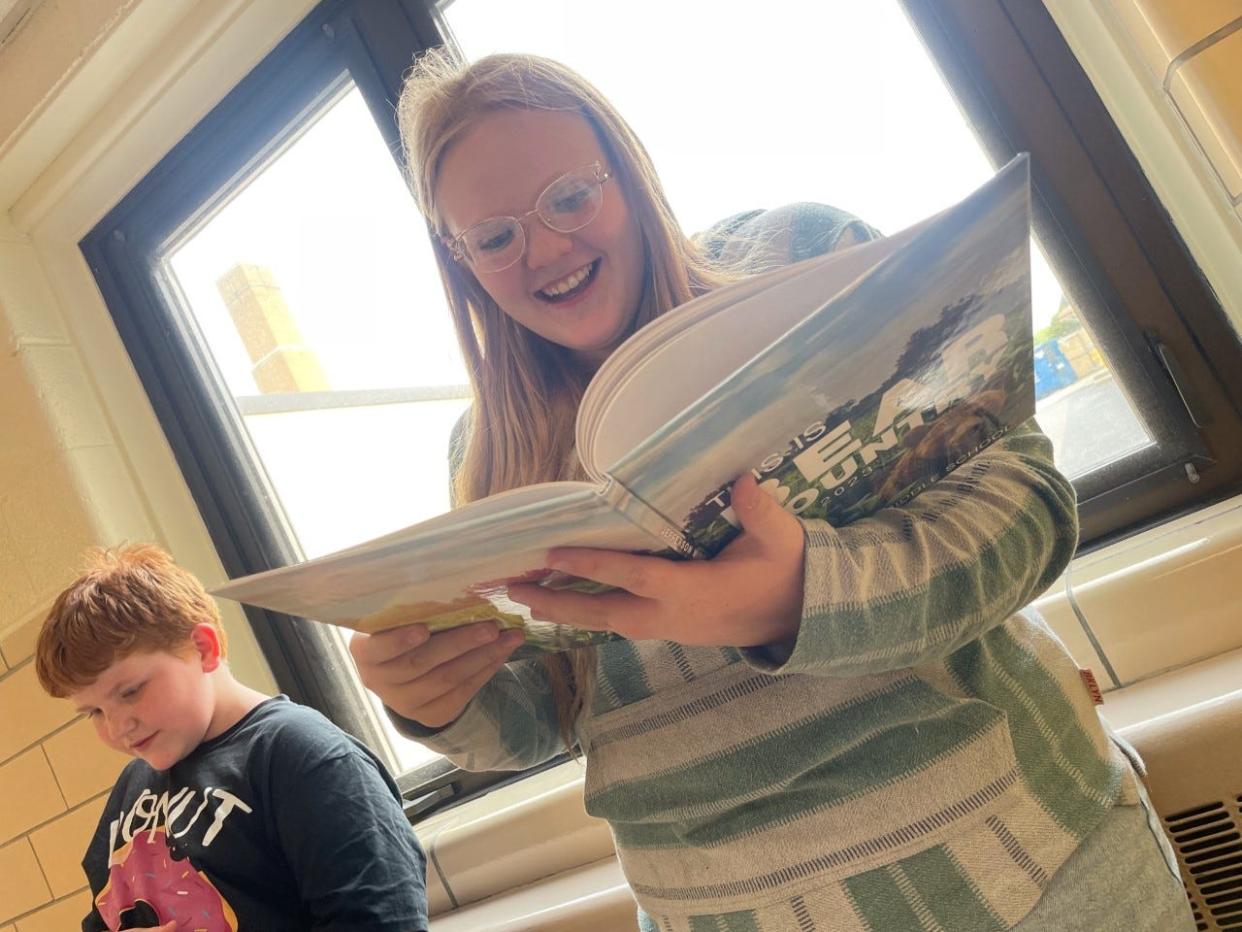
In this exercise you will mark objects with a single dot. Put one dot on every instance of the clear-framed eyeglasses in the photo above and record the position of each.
(568, 204)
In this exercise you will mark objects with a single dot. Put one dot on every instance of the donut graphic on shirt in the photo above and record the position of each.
(145, 881)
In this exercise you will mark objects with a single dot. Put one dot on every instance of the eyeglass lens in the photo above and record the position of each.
(566, 205)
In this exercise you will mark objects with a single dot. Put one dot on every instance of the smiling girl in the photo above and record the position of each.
(855, 728)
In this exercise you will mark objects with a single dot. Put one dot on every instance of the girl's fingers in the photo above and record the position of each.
(440, 649)
(445, 709)
(383, 646)
(621, 612)
(639, 575)
(450, 675)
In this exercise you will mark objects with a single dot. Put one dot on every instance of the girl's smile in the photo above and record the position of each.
(571, 287)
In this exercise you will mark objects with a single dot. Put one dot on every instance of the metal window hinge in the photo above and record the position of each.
(1177, 375)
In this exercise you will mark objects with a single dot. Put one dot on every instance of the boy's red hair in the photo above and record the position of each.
(128, 600)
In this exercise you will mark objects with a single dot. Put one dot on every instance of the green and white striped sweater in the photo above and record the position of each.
(926, 757)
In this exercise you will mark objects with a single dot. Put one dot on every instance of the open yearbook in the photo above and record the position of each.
(845, 383)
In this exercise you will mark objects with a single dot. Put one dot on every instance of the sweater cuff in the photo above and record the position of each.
(460, 740)
(415, 730)
(819, 564)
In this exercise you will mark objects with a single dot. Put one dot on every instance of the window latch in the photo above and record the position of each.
(1177, 375)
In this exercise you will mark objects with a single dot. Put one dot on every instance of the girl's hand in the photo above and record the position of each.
(430, 678)
(749, 595)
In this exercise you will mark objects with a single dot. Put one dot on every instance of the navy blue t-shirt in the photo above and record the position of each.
(283, 822)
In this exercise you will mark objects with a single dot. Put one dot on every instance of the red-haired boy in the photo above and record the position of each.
(240, 811)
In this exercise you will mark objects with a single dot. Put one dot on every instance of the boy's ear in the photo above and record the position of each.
(206, 640)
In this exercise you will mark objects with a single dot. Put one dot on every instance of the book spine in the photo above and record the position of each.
(639, 513)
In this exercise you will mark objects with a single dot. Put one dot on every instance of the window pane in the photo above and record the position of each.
(316, 292)
(833, 101)
(1078, 403)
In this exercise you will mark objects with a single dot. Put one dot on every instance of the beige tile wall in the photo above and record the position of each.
(1193, 49)
(72, 473)
(54, 773)
(54, 778)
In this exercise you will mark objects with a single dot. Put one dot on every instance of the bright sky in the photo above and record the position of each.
(807, 100)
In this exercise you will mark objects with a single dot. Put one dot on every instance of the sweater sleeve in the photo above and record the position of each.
(913, 584)
(510, 724)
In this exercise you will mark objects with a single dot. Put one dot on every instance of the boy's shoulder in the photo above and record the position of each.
(280, 715)
(277, 739)
(279, 725)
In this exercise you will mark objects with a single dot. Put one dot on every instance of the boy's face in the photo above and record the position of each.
(154, 705)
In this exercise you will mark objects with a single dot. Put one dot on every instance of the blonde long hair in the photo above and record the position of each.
(527, 389)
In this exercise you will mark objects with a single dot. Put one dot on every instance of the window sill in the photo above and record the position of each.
(594, 897)
(1164, 600)
(514, 837)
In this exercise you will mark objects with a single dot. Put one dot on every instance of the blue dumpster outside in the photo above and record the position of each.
(1052, 370)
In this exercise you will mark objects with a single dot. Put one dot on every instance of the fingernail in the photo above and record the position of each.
(485, 633)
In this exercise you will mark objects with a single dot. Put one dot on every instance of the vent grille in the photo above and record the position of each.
(1208, 841)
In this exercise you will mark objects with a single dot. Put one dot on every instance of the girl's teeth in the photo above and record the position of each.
(569, 283)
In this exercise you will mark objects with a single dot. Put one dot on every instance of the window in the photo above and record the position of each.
(273, 281)
(842, 103)
(884, 140)
(1124, 266)
(346, 384)
(305, 382)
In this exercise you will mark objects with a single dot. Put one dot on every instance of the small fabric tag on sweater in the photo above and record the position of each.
(1093, 688)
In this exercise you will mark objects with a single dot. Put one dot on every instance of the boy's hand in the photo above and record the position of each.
(166, 927)
(749, 595)
(430, 678)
